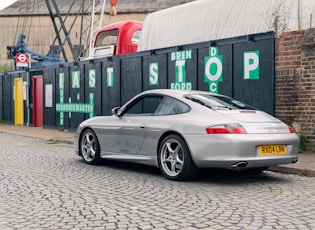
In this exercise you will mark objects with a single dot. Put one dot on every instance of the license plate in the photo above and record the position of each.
(272, 149)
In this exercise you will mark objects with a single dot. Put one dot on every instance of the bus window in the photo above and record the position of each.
(136, 37)
(107, 38)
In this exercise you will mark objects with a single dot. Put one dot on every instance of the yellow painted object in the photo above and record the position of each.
(18, 102)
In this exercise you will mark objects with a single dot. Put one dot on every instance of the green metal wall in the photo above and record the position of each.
(241, 67)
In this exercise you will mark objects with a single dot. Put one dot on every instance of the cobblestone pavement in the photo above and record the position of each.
(46, 186)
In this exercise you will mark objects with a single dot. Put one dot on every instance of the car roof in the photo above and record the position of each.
(178, 92)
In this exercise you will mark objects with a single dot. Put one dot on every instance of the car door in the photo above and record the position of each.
(125, 134)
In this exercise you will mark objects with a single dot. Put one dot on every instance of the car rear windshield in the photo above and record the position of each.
(218, 102)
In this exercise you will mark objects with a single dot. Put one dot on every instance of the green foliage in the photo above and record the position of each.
(303, 142)
(3, 68)
(280, 14)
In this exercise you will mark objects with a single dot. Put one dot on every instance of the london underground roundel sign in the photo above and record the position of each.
(21, 60)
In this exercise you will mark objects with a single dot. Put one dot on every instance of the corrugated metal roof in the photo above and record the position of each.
(206, 20)
(38, 7)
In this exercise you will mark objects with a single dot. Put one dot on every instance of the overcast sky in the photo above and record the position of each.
(5, 3)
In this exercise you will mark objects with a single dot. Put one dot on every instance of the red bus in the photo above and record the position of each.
(117, 38)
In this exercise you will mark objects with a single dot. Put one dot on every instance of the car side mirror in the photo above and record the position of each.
(116, 111)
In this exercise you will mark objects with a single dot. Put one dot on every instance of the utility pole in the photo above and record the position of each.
(299, 15)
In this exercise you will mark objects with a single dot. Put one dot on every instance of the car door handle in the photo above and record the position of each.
(143, 126)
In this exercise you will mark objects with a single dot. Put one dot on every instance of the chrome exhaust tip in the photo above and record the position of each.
(294, 160)
(241, 164)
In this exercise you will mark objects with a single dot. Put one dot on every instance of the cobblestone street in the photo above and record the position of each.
(44, 185)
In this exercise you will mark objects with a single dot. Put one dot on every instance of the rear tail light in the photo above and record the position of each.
(226, 129)
(291, 130)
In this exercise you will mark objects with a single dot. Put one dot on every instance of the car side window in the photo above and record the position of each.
(145, 106)
(170, 106)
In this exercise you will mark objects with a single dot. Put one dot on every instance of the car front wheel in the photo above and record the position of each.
(89, 147)
(174, 159)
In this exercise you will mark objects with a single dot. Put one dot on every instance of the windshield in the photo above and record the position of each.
(217, 102)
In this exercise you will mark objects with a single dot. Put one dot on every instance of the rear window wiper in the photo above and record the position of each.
(207, 105)
(200, 102)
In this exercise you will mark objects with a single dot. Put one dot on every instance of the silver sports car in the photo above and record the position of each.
(182, 131)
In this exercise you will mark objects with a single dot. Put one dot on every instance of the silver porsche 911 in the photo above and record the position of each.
(182, 131)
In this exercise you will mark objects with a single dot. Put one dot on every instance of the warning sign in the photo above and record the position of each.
(21, 60)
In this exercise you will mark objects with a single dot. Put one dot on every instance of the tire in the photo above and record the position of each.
(175, 160)
(90, 148)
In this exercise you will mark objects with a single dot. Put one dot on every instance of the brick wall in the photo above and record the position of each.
(295, 81)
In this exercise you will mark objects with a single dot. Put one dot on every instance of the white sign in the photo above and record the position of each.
(48, 95)
(21, 60)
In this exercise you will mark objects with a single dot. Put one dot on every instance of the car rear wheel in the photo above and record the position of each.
(89, 147)
(174, 159)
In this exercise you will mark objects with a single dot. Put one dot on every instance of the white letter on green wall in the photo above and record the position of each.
(92, 78)
(110, 77)
(251, 65)
(153, 73)
(76, 79)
